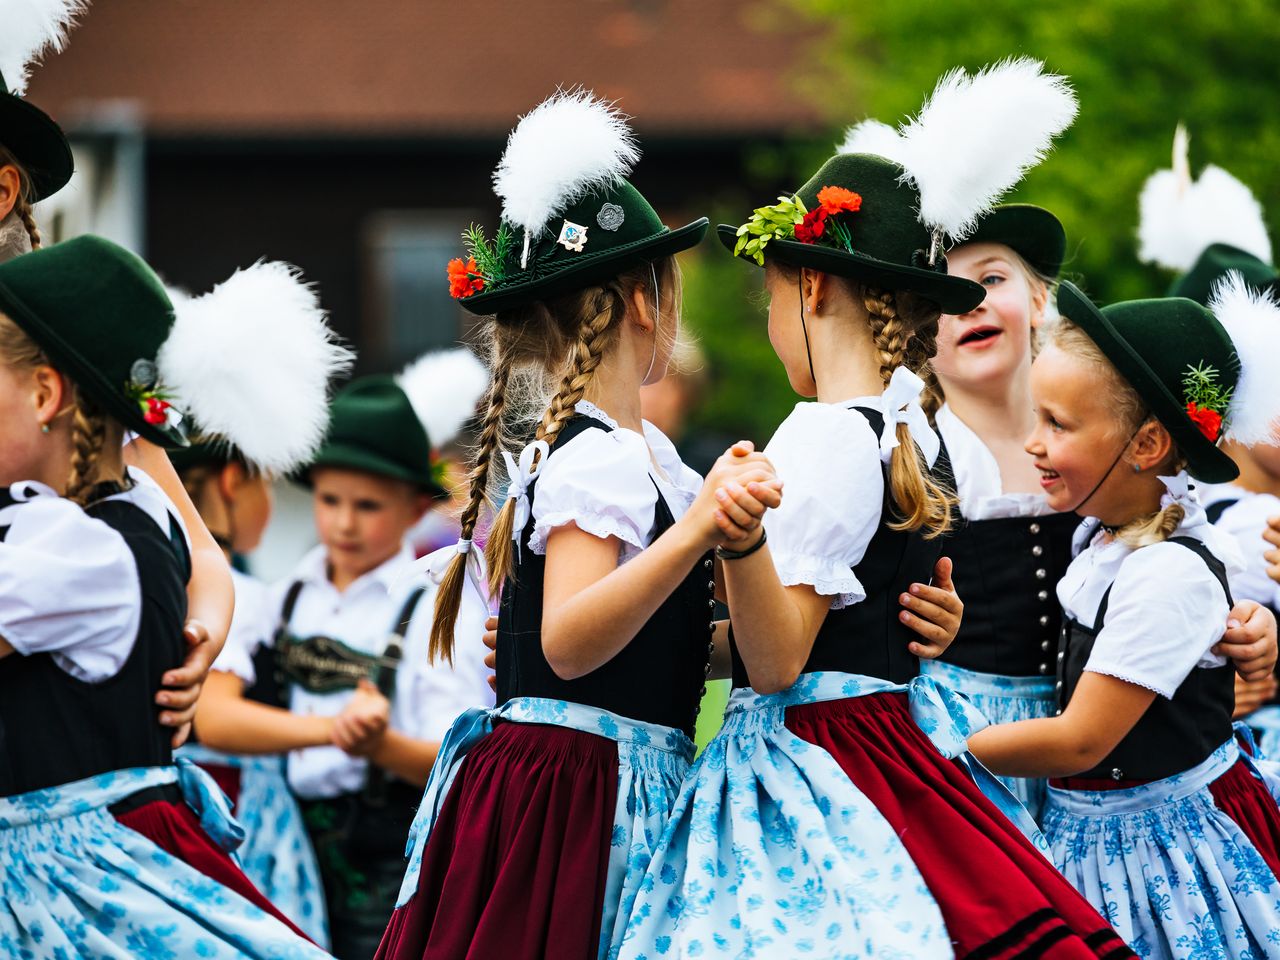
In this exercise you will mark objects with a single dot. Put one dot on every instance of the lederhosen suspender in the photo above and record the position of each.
(323, 665)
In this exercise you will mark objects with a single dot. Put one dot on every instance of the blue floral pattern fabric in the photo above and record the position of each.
(1266, 724)
(77, 883)
(772, 852)
(276, 853)
(1003, 699)
(1170, 871)
(652, 763)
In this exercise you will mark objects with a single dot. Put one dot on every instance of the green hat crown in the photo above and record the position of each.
(1032, 232)
(373, 428)
(1179, 359)
(102, 316)
(570, 217)
(1216, 262)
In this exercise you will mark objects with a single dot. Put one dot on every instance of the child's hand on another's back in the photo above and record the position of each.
(359, 728)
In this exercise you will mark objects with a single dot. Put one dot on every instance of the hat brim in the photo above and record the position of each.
(1032, 232)
(38, 143)
(954, 295)
(587, 270)
(1204, 460)
(106, 395)
(343, 456)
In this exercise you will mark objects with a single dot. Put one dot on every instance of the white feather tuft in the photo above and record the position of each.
(1178, 219)
(568, 145)
(871, 136)
(444, 388)
(1252, 320)
(251, 363)
(977, 135)
(31, 27)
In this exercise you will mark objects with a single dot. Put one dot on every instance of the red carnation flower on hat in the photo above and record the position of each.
(839, 200)
(155, 412)
(464, 278)
(813, 226)
(1207, 421)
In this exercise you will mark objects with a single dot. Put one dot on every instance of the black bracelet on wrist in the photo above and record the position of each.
(725, 554)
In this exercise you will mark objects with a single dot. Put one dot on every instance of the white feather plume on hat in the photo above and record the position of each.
(1252, 321)
(28, 28)
(570, 144)
(1179, 218)
(444, 388)
(973, 139)
(251, 362)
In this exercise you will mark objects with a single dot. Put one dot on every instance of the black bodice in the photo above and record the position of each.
(55, 728)
(657, 677)
(867, 637)
(1173, 735)
(1005, 571)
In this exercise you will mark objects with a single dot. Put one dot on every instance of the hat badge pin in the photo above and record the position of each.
(573, 236)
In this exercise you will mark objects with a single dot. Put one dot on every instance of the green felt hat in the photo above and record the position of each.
(1155, 345)
(1032, 232)
(1214, 263)
(890, 246)
(36, 142)
(101, 315)
(373, 427)
(570, 217)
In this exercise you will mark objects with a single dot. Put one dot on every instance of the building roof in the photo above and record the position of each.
(418, 67)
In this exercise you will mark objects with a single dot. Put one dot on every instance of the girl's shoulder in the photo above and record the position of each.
(840, 425)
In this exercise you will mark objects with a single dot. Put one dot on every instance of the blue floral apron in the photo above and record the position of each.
(1003, 699)
(1170, 871)
(276, 853)
(652, 761)
(772, 852)
(77, 883)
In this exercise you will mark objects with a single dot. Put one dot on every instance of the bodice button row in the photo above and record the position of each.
(1042, 596)
(1041, 573)
(1045, 645)
(708, 563)
(1034, 528)
(1044, 668)
(1044, 619)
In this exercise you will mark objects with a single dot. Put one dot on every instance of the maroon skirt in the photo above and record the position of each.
(175, 828)
(516, 863)
(1000, 897)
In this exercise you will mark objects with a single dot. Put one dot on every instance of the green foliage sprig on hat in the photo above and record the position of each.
(1207, 400)
(790, 219)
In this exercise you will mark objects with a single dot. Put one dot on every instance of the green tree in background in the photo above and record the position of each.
(1138, 66)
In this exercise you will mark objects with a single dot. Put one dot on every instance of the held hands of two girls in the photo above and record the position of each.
(738, 490)
(934, 611)
(358, 729)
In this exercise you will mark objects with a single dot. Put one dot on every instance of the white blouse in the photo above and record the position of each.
(828, 457)
(603, 483)
(68, 582)
(1246, 520)
(1166, 609)
(978, 482)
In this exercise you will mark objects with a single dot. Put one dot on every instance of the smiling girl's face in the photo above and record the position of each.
(991, 342)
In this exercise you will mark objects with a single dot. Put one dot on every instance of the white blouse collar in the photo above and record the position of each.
(589, 409)
(977, 474)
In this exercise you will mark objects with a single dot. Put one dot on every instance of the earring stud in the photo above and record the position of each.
(44, 428)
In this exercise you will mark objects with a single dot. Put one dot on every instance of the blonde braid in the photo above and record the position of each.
(25, 213)
(88, 437)
(923, 502)
(449, 596)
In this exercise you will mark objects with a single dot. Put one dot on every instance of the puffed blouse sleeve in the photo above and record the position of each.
(599, 482)
(828, 459)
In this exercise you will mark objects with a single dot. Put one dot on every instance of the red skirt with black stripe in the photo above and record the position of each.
(1000, 897)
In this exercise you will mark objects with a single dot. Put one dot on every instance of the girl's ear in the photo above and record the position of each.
(814, 287)
(1039, 302)
(50, 391)
(1152, 446)
(10, 188)
(230, 479)
(642, 308)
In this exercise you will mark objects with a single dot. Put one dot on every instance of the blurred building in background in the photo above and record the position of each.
(357, 140)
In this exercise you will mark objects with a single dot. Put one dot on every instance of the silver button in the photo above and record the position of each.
(711, 604)
(1044, 645)
(1058, 687)
(1117, 773)
(1044, 668)
(1043, 595)
(1044, 619)
(1062, 655)
(711, 585)
(713, 626)
(1041, 573)
(708, 563)
(1057, 713)
(1037, 550)
(1034, 528)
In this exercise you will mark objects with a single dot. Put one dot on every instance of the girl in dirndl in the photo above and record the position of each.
(1155, 814)
(837, 813)
(540, 814)
(111, 848)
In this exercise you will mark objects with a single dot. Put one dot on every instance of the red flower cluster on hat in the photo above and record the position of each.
(832, 201)
(1208, 422)
(155, 410)
(464, 278)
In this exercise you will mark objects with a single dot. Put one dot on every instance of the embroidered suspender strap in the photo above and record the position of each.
(1214, 511)
(286, 611)
(375, 787)
(1195, 546)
